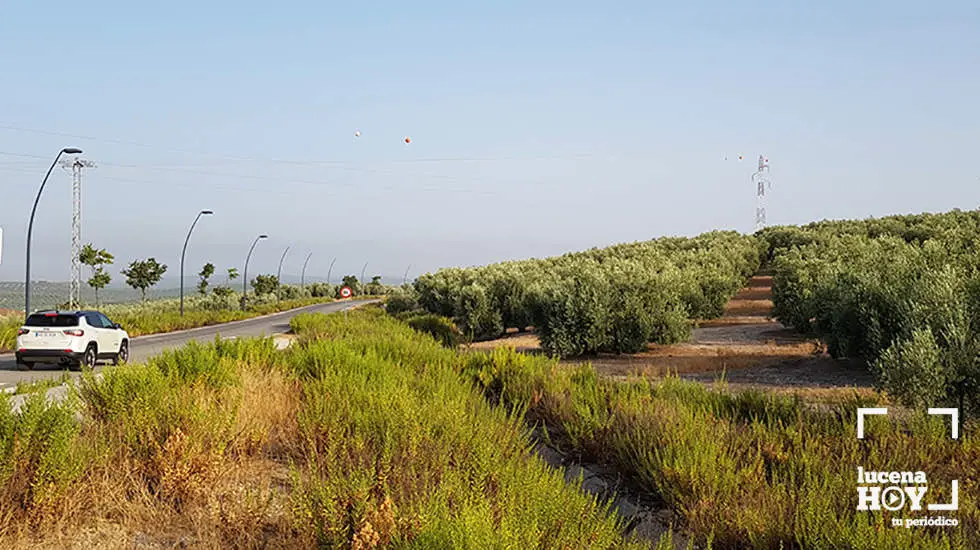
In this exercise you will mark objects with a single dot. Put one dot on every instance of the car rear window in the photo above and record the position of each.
(41, 320)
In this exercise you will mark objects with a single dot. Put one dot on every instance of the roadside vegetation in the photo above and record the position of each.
(362, 435)
(746, 469)
(208, 304)
(158, 316)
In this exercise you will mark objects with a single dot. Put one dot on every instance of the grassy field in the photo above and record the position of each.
(363, 435)
(164, 316)
(744, 469)
(367, 434)
(749, 469)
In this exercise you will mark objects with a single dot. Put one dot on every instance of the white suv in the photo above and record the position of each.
(72, 338)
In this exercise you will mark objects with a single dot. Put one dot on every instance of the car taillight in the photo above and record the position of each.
(22, 332)
(74, 332)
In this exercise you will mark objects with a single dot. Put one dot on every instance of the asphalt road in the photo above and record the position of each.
(146, 346)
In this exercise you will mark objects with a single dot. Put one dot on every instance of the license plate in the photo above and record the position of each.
(44, 334)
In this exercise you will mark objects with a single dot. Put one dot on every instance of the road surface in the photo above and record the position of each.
(142, 347)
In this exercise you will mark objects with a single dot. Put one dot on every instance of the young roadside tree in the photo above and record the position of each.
(100, 279)
(353, 283)
(223, 290)
(95, 258)
(143, 274)
(205, 274)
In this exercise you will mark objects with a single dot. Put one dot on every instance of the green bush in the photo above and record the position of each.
(400, 302)
(41, 453)
(440, 328)
(475, 315)
(403, 453)
(744, 470)
(321, 290)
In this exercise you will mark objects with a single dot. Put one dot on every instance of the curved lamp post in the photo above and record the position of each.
(245, 275)
(302, 276)
(184, 252)
(405, 278)
(30, 229)
(330, 270)
(279, 276)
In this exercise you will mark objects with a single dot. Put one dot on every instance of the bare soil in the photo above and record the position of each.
(745, 346)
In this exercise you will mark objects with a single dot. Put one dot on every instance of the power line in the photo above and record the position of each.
(293, 181)
(233, 158)
(285, 181)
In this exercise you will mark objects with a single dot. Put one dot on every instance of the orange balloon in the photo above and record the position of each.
(408, 140)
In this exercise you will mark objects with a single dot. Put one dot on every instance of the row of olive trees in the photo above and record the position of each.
(615, 299)
(901, 292)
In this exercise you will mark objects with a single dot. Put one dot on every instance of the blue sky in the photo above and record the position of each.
(536, 129)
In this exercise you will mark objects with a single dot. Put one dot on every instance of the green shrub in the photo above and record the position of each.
(440, 328)
(41, 453)
(402, 452)
(400, 302)
(744, 470)
(475, 315)
(321, 290)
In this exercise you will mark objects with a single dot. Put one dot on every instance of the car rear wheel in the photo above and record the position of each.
(123, 354)
(89, 357)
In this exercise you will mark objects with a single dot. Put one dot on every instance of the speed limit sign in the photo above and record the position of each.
(346, 292)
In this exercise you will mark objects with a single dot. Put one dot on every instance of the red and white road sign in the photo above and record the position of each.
(346, 292)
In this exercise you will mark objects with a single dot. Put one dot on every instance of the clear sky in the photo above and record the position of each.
(537, 127)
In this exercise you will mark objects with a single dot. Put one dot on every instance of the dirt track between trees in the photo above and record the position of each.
(745, 345)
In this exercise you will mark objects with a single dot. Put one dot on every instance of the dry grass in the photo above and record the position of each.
(248, 506)
(268, 418)
(191, 491)
(525, 343)
(660, 361)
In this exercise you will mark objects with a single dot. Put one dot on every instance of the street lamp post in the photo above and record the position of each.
(245, 274)
(30, 228)
(361, 280)
(302, 276)
(330, 270)
(405, 278)
(184, 252)
(279, 276)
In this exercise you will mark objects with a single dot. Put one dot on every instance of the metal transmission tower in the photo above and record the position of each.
(762, 181)
(76, 165)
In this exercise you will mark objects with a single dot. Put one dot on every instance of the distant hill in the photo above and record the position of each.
(48, 294)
